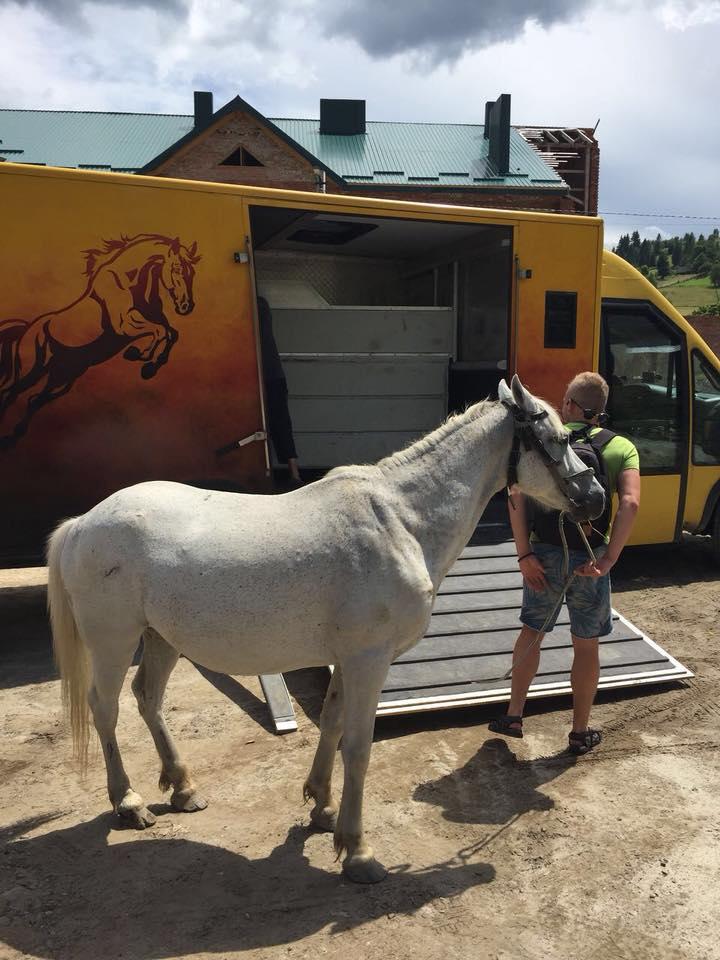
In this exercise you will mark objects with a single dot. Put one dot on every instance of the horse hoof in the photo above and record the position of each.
(324, 819)
(363, 870)
(148, 370)
(136, 817)
(188, 802)
(132, 353)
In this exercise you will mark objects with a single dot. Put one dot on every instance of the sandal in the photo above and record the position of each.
(505, 726)
(580, 743)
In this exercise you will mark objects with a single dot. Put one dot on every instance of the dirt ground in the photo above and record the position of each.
(497, 849)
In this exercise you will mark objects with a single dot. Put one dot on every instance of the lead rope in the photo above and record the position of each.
(566, 573)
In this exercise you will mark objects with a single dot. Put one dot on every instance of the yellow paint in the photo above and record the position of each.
(563, 257)
(622, 281)
(112, 427)
(655, 521)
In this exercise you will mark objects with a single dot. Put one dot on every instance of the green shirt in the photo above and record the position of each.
(619, 454)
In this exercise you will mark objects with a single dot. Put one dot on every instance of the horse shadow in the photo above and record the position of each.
(83, 892)
(494, 787)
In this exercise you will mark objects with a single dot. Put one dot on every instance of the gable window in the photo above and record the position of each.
(241, 158)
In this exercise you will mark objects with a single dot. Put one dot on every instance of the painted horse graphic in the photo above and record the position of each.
(131, 284)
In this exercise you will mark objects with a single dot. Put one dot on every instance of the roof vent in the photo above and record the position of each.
(344, 117)
(497, 131)
(203, 109)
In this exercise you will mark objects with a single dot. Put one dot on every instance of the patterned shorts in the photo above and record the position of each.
(588, 598)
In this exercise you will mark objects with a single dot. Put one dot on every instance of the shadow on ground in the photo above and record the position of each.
(75, 895)
(494, 787)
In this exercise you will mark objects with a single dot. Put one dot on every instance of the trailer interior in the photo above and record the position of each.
(384, 324)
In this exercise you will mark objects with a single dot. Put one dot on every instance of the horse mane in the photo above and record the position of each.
(96, 258)
(452, 424)
(427, 443)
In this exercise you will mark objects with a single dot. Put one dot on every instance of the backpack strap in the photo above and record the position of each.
(597, 440)
(602, 438)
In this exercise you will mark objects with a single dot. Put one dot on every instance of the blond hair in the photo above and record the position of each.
(589, 391)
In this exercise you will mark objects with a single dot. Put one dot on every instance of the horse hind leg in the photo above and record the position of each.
(360, 705)
(158, 662)
(318, 785)
(103, 698)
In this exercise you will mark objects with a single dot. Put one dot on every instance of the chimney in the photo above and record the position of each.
(497, 131)
(203, 109)
(486, 128)
(345, 117)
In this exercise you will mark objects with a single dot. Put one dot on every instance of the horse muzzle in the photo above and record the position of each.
(588, 506)
(184, 306)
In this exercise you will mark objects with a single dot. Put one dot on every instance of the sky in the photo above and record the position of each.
(647, 70)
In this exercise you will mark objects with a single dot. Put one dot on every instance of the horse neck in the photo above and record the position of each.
(445, 482)
(137, 255)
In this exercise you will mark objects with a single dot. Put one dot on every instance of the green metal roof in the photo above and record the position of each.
(104, 141)
(391, 154)
(435, 154)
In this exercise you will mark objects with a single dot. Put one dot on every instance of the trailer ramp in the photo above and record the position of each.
(469, 642)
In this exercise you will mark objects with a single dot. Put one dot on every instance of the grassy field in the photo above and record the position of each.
(686, 292)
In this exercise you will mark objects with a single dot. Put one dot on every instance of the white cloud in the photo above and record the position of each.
(686, 14)
(650, 73)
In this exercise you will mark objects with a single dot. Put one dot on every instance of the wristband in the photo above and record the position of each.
(525, 555)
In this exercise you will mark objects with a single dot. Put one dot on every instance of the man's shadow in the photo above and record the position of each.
(84, 893)
(494, 786)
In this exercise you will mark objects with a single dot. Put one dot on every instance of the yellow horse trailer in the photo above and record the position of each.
(129, 348)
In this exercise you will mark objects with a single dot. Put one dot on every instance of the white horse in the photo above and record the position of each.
(344, 572)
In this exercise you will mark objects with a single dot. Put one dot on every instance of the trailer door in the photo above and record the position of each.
(643, 358)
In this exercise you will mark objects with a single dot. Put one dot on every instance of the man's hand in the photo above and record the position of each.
(532, 571)
(598, 569)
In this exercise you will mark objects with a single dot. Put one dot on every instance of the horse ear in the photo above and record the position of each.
(523, 398)
(175, 245)
(504, 393)
(193, 249)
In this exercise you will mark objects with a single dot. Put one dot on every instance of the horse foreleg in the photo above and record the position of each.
(103, 699)
(361, 699)
(318, 785)
(158, 661)
(156, 359)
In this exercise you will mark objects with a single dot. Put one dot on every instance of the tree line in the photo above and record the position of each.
(659, 258)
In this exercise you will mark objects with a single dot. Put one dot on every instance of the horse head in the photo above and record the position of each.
(177, 275)
(542, 463)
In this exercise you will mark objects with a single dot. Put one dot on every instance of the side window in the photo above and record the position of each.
(706, 412)
(643, 366)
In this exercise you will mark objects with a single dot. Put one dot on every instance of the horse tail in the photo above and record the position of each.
(10, 333)
(70, 653)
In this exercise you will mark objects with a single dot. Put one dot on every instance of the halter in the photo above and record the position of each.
(523, 431)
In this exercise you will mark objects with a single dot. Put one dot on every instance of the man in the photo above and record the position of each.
(588, 594)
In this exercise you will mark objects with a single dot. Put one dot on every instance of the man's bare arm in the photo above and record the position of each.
(530, 566)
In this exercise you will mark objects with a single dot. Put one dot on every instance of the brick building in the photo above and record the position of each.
(490, 165)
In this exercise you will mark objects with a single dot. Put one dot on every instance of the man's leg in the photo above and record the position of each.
(584, 679)
(526, 659)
